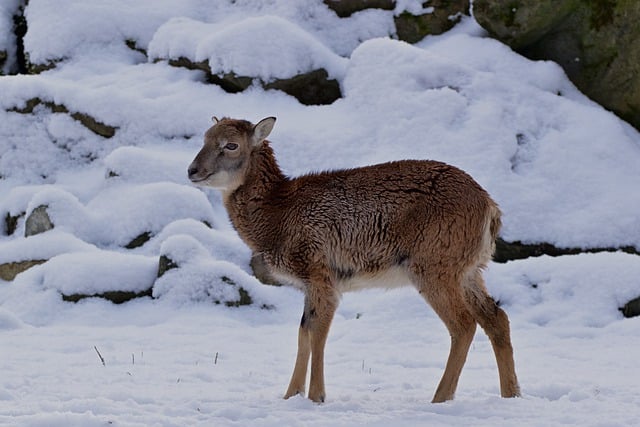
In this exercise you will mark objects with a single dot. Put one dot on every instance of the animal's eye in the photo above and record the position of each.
(231, 146)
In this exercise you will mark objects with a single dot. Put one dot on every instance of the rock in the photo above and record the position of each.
(86, 120)
(632, 308)
(116, 297)
(346, 8)
(139, 240)
(312, 88)
(594, 41)
(509, 251)
(230, 82)
(10, 270)
(38, 222)
(243, 296)
(165, 264)
(445, 14)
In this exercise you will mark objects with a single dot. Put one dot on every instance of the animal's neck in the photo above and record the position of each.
(250, 206)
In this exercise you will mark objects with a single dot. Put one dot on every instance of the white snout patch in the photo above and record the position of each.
(219, 180)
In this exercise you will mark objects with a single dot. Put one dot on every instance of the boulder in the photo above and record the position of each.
(594, 41)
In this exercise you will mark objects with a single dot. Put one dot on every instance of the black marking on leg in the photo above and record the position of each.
(303, 321)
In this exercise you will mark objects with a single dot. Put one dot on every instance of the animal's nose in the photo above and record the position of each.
(192, 171)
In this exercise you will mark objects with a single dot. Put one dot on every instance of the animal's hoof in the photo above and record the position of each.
(291, 393)
(317, 398)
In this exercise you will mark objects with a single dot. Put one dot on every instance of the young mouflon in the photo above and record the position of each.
(417, 222)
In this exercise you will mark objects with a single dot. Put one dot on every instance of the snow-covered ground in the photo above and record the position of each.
(563, 170)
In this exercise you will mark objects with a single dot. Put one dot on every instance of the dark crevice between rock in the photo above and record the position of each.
(133, 45)
(86, 120)
(22, 64)
(20, 30)
(11, 223)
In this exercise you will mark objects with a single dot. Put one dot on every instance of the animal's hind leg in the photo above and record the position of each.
(445, 297)
(495, 323)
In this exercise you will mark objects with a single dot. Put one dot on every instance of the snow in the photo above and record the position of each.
(562, 168)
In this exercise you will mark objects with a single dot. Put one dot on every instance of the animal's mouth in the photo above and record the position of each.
(196, 180)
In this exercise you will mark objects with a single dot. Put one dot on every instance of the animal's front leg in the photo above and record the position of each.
(299, 376)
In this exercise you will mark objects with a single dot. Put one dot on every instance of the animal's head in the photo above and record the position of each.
(223, 161)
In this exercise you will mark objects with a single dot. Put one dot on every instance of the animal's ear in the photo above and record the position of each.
(214, 119)
(262, 130)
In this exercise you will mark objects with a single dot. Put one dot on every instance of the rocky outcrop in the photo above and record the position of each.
(595, 41)
(439, 15)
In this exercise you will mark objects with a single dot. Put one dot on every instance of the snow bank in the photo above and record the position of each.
(118, 214)
(267, 47)
(96, 272)
(148, 164)
(198, 277)
(42, 247)
(577, 290)
(111, 23)
(80, 26)
(220, 244)
(511, 127)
